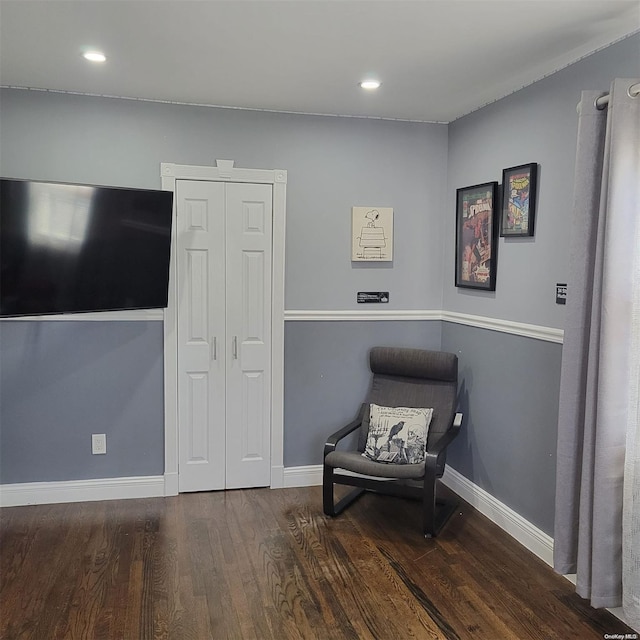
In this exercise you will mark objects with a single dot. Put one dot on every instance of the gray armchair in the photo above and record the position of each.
(401, 378)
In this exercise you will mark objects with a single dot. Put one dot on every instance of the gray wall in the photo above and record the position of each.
(537, 124)
(332, 163)
(508, 442)
(327, 376)
(509, 396)
(63, 381)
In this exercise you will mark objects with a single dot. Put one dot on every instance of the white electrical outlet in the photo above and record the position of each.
(98, 443)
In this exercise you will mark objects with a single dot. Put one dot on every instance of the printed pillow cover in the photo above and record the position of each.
(397, 435)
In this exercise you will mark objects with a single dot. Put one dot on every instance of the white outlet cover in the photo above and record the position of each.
(98, 443)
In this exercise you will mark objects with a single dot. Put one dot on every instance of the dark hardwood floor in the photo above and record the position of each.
(263, 563)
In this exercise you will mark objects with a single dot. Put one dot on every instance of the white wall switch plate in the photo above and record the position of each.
(98, 443)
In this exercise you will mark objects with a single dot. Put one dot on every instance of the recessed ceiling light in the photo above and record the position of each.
(370, 84)
(94, 56)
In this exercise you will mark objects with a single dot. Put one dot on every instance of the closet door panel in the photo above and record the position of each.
(248, 297)
(201, 331)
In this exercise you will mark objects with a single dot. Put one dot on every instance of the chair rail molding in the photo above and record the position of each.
(537, 332)
(321, 315)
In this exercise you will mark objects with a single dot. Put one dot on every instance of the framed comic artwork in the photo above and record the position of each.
(519, 186)
(476, 236)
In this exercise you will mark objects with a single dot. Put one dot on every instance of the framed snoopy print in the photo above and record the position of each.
(372, 234)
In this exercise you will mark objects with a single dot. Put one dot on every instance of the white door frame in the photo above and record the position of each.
(225, 172)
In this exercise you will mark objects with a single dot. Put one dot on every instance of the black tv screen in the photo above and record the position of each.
(68, 248)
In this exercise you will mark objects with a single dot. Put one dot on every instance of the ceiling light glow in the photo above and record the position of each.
(94, 56)
(370, 84)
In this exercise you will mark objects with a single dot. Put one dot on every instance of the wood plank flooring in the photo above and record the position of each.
(260, 564)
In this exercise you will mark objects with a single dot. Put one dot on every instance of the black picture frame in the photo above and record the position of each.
(477, 236)
(519, 188)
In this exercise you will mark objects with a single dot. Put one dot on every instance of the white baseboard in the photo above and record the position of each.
(21, 494)
(309, 476)
(514, 524)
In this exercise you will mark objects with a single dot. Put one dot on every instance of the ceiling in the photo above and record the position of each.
(437, 59)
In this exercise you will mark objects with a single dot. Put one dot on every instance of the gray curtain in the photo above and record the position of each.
(598, 468)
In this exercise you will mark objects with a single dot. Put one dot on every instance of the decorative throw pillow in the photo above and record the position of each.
(397, 435)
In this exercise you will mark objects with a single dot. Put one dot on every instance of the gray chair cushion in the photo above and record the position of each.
(414, 363)
(359, 464)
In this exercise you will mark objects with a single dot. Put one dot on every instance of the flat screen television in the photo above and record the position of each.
(69, 248)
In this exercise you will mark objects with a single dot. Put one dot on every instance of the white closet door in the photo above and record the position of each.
(201, 334)
(249, 231)
(224, 239)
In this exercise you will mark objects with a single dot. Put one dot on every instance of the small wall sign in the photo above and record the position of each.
(561, 293)
(373, 296)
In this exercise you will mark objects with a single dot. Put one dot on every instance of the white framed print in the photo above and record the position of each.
(372, 234)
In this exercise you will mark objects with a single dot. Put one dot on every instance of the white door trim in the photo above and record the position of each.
(225, 172)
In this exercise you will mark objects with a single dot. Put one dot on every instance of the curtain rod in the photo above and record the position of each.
(633, 91)
(603, 101)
